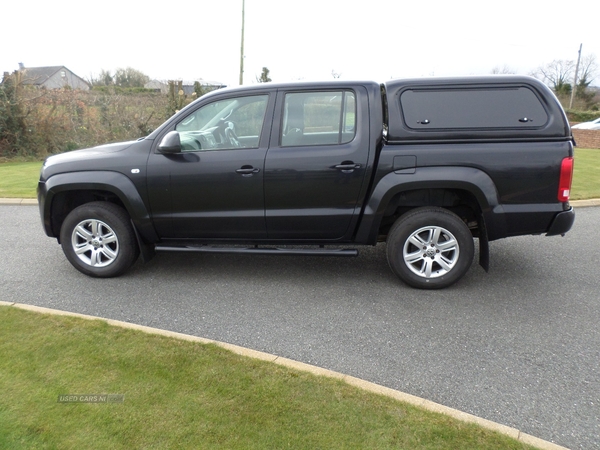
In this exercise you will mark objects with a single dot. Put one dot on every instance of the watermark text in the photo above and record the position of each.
(91, 398)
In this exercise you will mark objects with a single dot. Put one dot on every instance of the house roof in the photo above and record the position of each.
(37, 75)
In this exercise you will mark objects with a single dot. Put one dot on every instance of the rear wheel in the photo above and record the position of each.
(430, 248)
(98, 239)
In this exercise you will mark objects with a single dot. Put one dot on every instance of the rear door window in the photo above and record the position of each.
(318, 118)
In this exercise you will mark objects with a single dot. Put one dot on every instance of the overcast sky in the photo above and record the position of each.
(299, 39)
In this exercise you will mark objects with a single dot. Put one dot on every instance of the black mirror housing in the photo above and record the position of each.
(171, 143)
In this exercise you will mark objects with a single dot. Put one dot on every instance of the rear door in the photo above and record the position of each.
(316, 163)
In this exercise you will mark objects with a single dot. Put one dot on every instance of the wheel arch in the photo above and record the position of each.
(468, 192)
(459, 201)
(65, 192)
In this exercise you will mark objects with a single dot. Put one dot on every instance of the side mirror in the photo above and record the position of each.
(171, 143)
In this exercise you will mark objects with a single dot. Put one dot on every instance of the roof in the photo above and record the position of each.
(37, 75)
(52, 77)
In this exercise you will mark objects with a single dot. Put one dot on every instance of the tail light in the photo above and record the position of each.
(566, 177)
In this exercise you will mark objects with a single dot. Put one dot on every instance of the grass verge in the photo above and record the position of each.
(586, 181)
(19, 179)
(180, 394)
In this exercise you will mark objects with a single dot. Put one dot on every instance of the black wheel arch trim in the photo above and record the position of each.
(469, 179)
(114, 182)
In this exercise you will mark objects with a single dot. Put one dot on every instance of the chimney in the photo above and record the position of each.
(21, 66)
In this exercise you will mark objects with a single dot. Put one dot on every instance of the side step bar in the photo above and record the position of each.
(262, 251)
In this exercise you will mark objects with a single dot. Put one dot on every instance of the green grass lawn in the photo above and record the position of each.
(586, 174)
(19, 179)
(180, 394)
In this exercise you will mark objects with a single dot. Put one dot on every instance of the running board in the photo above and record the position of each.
(262, 251)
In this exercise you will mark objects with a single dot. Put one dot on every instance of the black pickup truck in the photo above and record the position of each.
(424, 164)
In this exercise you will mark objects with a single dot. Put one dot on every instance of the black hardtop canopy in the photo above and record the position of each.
(498, 107)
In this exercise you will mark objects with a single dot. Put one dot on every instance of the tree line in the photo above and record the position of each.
(124, 77)
(560, 75)
(37, 122)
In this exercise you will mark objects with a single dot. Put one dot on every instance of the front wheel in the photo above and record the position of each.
(430, 248)
(98, 239)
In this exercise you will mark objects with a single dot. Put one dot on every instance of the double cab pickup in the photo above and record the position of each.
(425, 165)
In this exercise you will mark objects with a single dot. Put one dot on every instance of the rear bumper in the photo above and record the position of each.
(562, 223)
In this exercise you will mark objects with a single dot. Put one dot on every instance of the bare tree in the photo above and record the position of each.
(264, 76)
(104, 79)
(557, 74)
(588, 68)
(130, 77)
(504, 70)
(588, 71)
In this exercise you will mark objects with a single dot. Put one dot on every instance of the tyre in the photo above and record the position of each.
(430, 248)
(98, 239)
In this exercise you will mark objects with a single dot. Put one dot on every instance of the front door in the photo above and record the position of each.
(213, 189)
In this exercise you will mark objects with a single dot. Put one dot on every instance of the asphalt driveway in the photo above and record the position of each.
(519, 346)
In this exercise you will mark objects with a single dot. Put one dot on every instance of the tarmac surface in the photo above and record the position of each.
(519, 346)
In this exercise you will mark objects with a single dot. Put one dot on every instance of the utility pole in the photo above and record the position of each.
(575, 79)
(242, 49)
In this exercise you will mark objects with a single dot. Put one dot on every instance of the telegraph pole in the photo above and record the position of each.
(242, 47)
(575, 79)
